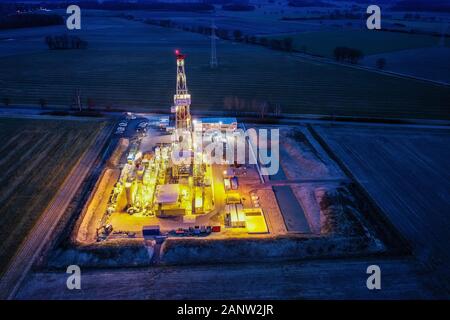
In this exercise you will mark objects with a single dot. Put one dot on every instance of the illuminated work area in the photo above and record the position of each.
(168, 182)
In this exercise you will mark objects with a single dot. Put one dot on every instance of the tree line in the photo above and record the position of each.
(421, 5)
(135, 5)
(27, 20)
(238, 7)
(341, 54)
(309, 3)
(262, 108)
(284, 44)
(65, 42)
(8, 8)
(344, 54)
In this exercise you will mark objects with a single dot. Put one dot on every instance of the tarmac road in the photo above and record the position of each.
(33, 244)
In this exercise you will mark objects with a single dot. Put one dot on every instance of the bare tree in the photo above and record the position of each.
(263, 107)
(264, 41)
(77, 100)
(288, 44)
(381, 63)
(90, 103)
(237, 34)
(277, 110)
(6, 101)
(228, 103)
(42, 103)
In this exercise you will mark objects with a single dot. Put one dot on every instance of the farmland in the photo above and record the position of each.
(249, 24)
(369, 42)
(130, 65)
(324, 279)
(37, 155)
(430, 63)
(406, 171)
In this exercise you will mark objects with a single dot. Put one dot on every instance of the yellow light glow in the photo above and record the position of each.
(198, 202)
(255, 221)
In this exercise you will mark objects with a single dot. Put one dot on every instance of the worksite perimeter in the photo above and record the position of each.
(170, 193)
(309, 209)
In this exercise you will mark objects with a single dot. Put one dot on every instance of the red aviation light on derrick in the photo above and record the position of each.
(179, 55)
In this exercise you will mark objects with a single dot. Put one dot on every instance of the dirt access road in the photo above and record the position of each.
(33, 244)
(321, 279)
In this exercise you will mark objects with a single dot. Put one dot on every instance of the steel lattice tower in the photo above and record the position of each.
(213, 61)
(182, 98)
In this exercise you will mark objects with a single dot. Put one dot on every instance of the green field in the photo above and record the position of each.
(36, 157)
(131, 64)
(369, 42)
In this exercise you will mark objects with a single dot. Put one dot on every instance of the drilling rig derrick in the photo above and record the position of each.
(182, 98)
